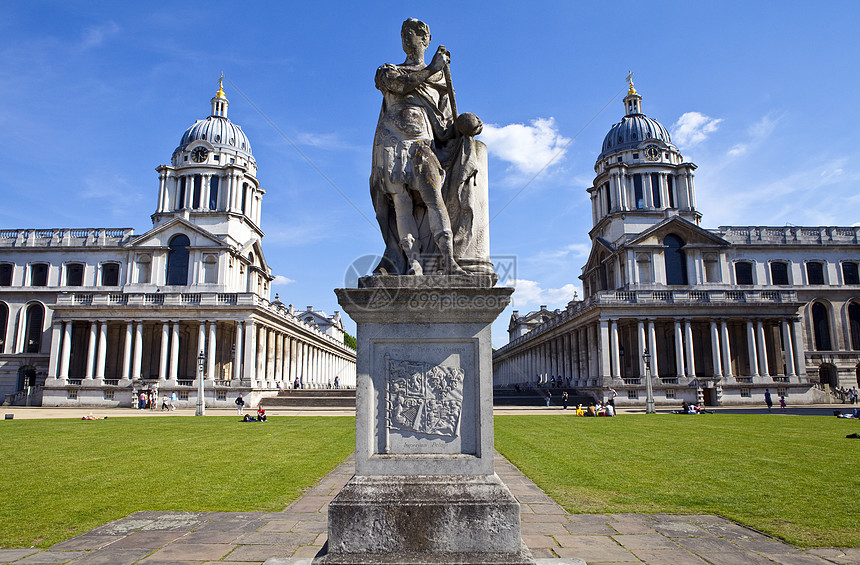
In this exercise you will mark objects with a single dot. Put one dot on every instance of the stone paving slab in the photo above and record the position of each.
(298, 533)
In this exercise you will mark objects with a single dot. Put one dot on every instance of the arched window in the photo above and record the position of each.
(827, 375)
(110, 274)
(643, 265)
(74, 274)
(177, 260)
(743, 272)
(180, 200)
(144, 263)
(638, 197)
(4, 321)
(821, 327)
(854, 325)
(213, 193)
(195, 194)
(779, 272)
(33, 329)
(815, 272)
(39, 274)
(26, 377)
(676, 260)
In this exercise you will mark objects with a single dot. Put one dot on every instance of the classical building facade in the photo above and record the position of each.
(87, 316)
(724, 313)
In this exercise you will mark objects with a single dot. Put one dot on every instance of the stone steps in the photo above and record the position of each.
(538, 398)
(309, 398)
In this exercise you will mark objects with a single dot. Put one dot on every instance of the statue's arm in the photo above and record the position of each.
(394, 78)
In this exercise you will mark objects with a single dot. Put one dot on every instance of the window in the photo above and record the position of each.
(177, 260)
(220, 395)
(72, 394)
(670, 393)
(6, 274)
(635, 155)
(712, 272)
(108, 395)
(74, 274)
(180, 201)
(853, 325)
(655, 190)
(608, 197)
(110, 274)
(815, 272)
(182, 395)
(33, 330)
(244, 197)
(195, 194)
(643, 264)
(782, 391)
(39, 274)
(820, 327)
(676, 260)
(849, 273)
(213, 193)
(779, 272)
(144, 264)
(743, 272)
(633, 394)
(745, 393)
(637, 192)
(670, 189)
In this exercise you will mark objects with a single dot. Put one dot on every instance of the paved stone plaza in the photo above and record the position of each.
(240, 538)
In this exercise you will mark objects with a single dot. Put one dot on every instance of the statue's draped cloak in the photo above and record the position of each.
(393, 148)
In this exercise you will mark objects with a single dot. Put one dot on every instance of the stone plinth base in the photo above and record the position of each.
(424, 519)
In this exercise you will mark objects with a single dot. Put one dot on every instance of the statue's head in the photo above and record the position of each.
(415, 35)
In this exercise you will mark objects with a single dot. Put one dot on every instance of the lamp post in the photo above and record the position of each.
(649, 393)
(201, 404)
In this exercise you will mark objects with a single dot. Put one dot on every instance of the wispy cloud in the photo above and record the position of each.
(115, 189)
(756, 134)
(693, 128)
(530, 294)
(95, 36)
(281, 280)
(328, 141)
(528, 148)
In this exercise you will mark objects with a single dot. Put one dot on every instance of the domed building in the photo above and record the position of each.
(674, 312)
(92, 317)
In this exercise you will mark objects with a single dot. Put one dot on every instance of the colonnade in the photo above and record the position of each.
(233, 193)
(593, 354)
(618, 193)
(237, 353)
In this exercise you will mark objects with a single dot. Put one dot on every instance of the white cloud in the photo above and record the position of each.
(693, 128)
(756, 134)
(528, 148)
(530, 294)
(94, 36)
(281, 280)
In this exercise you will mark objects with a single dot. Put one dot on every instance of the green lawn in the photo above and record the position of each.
(794, 477)
(63, 477)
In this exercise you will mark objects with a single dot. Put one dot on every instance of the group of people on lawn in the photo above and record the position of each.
(240, 409)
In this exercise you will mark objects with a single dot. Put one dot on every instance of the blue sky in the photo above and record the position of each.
(762, 96)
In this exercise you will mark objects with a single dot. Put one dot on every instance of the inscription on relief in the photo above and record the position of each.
(423, 398)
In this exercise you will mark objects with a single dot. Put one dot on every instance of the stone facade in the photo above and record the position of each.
(725, 313)
(89, 315)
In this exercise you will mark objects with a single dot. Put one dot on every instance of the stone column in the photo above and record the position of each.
(715, 351)
(691, 359)
(279, 357)
(174, 352)
(212, 351)
(237, 352)
(568, 365)
(799, 349)
(91, 351)
(613, 346)
(751, 349)
(138, 351)
(56, 342)
(101, 355)
(126, 354)
(66, 352)
(640, 326)
(788, 350)
(250, 353)
(261, 357)
(727, 350)
(762, 348)
(652, 347)
(270, 357)
(165, 347)
(679, 350)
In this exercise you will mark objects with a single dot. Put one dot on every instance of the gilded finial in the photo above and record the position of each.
(629, 79)
(220, 92)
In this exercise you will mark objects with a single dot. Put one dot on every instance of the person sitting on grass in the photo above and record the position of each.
(579, 410)
(261, 414)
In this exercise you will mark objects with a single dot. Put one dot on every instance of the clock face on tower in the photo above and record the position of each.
(652, 152)
(199, 154)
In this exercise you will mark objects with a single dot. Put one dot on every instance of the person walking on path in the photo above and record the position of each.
(767, 399)
(240, 404)
(548, 398)
(782, 403)
(564, 400)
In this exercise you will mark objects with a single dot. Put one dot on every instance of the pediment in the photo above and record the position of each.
(598, 245)
(692, 234)
(160, 236)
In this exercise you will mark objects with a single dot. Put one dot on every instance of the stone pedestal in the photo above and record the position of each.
(425, 490)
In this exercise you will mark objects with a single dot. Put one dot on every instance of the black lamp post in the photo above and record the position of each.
(201, 403)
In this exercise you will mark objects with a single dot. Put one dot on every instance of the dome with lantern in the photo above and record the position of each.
(634, 128)
(218, 130)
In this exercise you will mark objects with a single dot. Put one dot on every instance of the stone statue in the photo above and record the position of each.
(429, 180)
